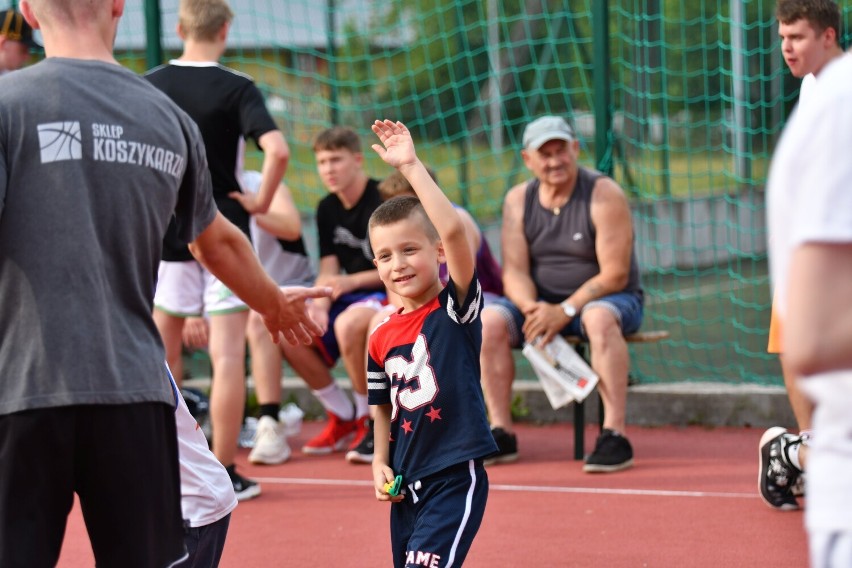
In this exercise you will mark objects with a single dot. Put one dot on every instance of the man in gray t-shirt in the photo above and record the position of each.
(94, 161)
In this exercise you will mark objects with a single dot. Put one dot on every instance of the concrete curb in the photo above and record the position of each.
(681, 404)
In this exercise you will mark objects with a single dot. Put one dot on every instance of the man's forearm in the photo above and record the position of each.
(520, 290)
(229, 256)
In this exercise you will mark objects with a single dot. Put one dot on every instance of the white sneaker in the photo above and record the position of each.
(270, 443)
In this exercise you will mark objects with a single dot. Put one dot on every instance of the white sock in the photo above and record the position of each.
(334, 400)
(793, 454)
(362, 405)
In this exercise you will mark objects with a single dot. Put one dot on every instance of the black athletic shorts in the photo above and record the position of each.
(121, 460)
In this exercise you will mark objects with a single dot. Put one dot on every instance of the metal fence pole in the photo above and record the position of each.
(153, 34)
(331, 48)
(601, 80)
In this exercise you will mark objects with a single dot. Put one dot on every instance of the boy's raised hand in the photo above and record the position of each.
(398, 149)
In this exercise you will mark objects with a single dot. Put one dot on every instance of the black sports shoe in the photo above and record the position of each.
(776, 476)
(507, 447)
(612, 453)
(362, 452)
(244, 488)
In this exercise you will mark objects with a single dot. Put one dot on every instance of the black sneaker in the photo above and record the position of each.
(612, 453)
(507, 447)
(244, 488)
(362, 451)
(776, 476)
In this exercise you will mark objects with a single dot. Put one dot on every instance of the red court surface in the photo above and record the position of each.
(690, 501)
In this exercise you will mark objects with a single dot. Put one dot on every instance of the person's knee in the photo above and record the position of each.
(602, 328)
(255, 329)
(350, 329)
(495, 332)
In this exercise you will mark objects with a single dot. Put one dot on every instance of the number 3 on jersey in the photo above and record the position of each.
(413, 383)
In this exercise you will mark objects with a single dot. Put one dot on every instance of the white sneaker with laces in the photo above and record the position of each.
(270, 443)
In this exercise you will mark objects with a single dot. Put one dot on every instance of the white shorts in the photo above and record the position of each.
(187, 289)
(830, 549)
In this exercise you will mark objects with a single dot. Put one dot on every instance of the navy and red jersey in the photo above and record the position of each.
(425, 364)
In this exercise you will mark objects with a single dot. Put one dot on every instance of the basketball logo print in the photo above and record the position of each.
(60, 141)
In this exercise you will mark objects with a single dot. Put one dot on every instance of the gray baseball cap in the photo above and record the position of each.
(547, 128)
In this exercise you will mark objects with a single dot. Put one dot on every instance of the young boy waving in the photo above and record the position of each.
(423, 370)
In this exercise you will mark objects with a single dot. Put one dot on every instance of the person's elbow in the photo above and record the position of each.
(616, 279)
(214, 242)
(279, 154)
(290, 229)
(203, 252)
(275, 148)
(806, 356)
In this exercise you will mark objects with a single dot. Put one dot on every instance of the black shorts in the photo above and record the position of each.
(121, 460)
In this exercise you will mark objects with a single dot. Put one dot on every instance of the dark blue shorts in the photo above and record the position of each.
(627, 307)
(436, 522)
(205, 544)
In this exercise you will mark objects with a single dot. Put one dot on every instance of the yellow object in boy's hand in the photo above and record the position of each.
(392, 487)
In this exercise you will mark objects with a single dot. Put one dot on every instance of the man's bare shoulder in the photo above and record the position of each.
(606, 190)
(515, 195)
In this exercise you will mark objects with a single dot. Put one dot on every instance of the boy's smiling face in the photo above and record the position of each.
(408, 260)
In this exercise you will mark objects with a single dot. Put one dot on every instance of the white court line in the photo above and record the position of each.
(523, 488)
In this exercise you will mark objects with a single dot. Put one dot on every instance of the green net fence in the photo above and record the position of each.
(682, 100)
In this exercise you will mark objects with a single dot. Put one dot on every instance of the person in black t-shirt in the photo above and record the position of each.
(228, 108)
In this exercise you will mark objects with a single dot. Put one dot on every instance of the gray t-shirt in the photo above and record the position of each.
(95, 161)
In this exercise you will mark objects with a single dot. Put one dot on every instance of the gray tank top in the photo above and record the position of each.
(562, 247)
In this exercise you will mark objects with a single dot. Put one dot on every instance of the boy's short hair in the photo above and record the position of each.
(336, 138)
(820, 14)
(400, 208)
(395, 185)
(203, 19)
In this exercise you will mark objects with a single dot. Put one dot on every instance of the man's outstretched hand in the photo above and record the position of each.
(291, 318)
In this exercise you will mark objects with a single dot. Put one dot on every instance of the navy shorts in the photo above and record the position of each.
(627, 307)
(205, 544)
(436, 522)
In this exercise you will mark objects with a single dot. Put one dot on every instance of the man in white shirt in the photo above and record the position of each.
(810, 229)
(809, 31)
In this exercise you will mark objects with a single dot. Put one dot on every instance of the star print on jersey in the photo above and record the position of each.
(434, 413)
(406, 425)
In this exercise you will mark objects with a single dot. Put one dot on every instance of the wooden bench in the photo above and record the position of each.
(580, 407)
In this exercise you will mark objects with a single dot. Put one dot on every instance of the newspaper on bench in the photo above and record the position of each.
(563, 374)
